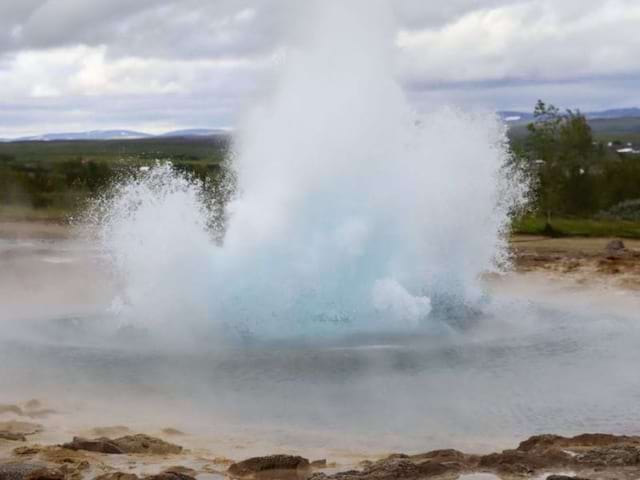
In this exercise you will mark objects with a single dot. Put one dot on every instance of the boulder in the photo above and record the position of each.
(99, 445)
(28, 471)
(564, 477)
(15, 437)
(387, 469)
(255, 465)
(20, 428)
(128, 444)
(117, 476)
(170, 475)
(615, 246)
(146, 444)
(613, 456)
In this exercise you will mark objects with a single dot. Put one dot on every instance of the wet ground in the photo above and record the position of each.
(553, 352)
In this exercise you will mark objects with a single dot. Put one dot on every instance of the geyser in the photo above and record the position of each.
(352, 211)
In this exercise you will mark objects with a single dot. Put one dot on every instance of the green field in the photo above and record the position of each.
(53, 180)
(577, 227)
(40, 180)
(191, 149)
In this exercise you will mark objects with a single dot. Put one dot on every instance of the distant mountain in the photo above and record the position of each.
(92, 135)
(514, 117)
(616, 113)
(119, 135)
(194, 132)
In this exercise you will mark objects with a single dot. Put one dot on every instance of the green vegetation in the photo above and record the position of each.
(572, 227)
(50, 180)
(582, 186)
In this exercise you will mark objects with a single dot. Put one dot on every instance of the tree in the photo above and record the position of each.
(562, 150)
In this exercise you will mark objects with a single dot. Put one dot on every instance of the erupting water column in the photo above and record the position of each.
(352, 213)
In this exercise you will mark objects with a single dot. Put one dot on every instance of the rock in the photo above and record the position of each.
(615, 456)
(180, 470)
(28, 471)
(271, 462)
(564, 477)
(17, 471)
(520, 462)
(386, 469)
(16, 437)
(20, 428)
(117, 476)
(170, 475)
(45, 474)
(16, 410)
(141, 443)
(99, 445)
(615, 246)
(26, 450)
(128, 444)
(538, 442)
(541, 443)
(319, 463)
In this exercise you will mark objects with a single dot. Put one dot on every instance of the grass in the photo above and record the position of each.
(577, 227)
(198, 149)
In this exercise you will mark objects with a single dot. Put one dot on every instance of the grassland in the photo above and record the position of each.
(50, 181)
(577, 227)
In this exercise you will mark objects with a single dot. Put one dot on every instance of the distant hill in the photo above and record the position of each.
(92, 135)
(616, 113)
(516, 118)
(194, 132)
(118, 135)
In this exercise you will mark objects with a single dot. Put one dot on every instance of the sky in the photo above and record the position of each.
(160, 65)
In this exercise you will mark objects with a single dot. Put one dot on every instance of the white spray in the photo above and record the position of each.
(353, 212)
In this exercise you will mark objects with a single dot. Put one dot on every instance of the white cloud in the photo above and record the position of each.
(147, 63)
(537, 40)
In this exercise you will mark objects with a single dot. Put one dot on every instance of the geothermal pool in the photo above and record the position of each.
(349, 292)
(546, 357)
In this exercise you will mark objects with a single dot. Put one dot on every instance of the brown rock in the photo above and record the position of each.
(128, 444)
(117, 476)
(615, 246)
(178, 469)
(28, 471)
(564, 477)
(538, 442)
(614, 456)
(141, 443)
(20, 428)
(387, 469)
(16, 410)
(15, 437)
(26, 450)
(170, 475)
(45, 474)
(99, 445)
(272, 462)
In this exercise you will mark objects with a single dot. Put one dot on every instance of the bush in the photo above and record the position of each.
(627, 210)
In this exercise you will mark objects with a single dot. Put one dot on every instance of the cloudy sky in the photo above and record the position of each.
(157, 65)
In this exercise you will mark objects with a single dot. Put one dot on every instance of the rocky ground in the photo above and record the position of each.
(585, 260)
(112, 456)
(116, 453)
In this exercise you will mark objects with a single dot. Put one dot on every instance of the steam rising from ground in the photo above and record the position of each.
(352, 211)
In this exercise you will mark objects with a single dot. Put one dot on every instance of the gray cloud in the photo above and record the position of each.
(153, 64)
